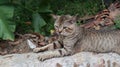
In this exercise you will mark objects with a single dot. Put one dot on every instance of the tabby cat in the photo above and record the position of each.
(74, 39)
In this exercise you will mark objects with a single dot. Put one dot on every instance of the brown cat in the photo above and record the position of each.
(74, 39)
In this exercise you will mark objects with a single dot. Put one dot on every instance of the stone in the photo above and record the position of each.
(82, 59)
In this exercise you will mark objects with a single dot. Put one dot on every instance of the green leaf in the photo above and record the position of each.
(4, 1)
(5, 32)
(6, 11)
(6, 26)
(38, 22)
(45, 9)
(44, 6)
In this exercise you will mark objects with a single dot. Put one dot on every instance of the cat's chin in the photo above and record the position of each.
(65, 35)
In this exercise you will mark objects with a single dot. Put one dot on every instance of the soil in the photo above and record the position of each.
(8, 48)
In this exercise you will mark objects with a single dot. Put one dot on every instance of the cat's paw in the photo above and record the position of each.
(36, 50)
(43, 57)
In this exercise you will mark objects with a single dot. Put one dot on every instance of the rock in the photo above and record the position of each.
(82, 59)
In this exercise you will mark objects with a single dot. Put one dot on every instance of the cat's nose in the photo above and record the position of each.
(60, 31)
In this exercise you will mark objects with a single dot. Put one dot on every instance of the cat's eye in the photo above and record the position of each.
(70, 28)
(70, 21)
(56, 26)
(64, 27)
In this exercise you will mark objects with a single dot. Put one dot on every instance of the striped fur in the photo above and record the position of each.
(74, 39)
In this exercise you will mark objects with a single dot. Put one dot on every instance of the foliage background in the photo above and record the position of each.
(28, 16)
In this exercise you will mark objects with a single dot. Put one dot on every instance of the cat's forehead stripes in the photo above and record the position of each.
(61, 19)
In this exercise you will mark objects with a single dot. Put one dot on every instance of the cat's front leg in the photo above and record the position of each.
(52, 46)
(42, 48)
(51, 54)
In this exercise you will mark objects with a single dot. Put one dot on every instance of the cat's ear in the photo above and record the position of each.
(68, 16)
(75, 18)
(54, 16)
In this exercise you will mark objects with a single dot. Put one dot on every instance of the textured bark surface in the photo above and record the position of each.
(83, 59)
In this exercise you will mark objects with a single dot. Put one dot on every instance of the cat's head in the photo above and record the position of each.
(65, 25)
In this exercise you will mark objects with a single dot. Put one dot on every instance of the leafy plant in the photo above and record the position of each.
(22, 12)
(83, 8)
(34, 12)
(7, 27)
(36, 22)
